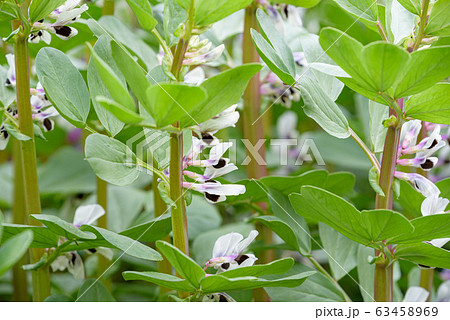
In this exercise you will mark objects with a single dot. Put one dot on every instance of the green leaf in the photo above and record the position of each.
(97, 88)
(271, 58)
(160, 279)
(218, 283)
(383, 62)
(362, 9)
(320, 107)
(183, 264)
(12, 130)
(283, 210)
(93, 290)
(444, 186)
(378, 113)
(12, 250)
(317, 288)
(340, 250)
(42, 237)
(366, 273)
(413, 6)
(425, 68)
(127, 245)
(59, 298)
(111, 160)
(274, 267)
(133, 73)
(223, 90)
(411, 200)
(151, 231)
(143, 12)
(40, 9)
(430, 105)
(427, 228)
(367, 227)
(119, 111)
(1, 225)
(208, 12)
(173, 102)
(283, 230)
(299, 3)
(424, 254)
(340, 183)
(272, 36)
(62, 228)
(63, 85)
(438, 23)
(116, 88)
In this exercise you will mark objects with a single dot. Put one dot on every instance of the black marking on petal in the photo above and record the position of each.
(48, 124)
(207, 138)
(42, 20)
(220, 164)
(39, 33)
(92, 250)
(64, 31)
(8, 82)
(424, 266)
(428, 164)
(433, 144)
(225, 265)
(416, 185)
(73, 258)
(241, 259)
(212, 197)
(222, 298)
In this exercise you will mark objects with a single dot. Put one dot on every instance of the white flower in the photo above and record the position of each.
(443, 292)
(195, 76)
(435, 205)
(225, 119)
(419, 182)
(4, 138)
(228, 252)
(416, 294)
(218, 297)
(11, 74)
(201, 57)
(87, 214)
(71, 260)
(215, 191)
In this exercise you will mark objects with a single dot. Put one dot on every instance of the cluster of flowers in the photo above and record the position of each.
(72, 261)
(198, 52)
(40, 105)
(216, 165)
(424, 159)
(64, 15)
(228, 254)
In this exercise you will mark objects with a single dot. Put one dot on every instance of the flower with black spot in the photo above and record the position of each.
(228, 252)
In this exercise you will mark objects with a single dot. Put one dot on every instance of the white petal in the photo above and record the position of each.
(416, 294)
(222, 121)
(61, 263)
(226, 244)
(211, 172)
(434, 205)
(443, 293)
(439, 242)
(246, 242)
(249, 261)
(287, 124)
(195, 76)
(76, 268)
(219, 150)
(4, 141)
(87, 214)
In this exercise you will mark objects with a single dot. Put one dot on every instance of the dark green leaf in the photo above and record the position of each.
(424, 254)
(42, 237)
(62, 228)
(160, 279)
(183, 264)
(40, 9)
(63, 85)
(93, 290)
(143, 12)
(12, 250)
(430, 105)
(274, 267)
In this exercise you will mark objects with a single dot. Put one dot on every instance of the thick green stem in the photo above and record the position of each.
(20, 281)
(254, 129)
(160, 208)
(41, 277)
(322, 270)
(179, 219)
(102, 199)
(422, 24)
(108, 8)
(383, 268)
(426, 280)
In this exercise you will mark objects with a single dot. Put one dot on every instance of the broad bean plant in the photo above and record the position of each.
(240, 150)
